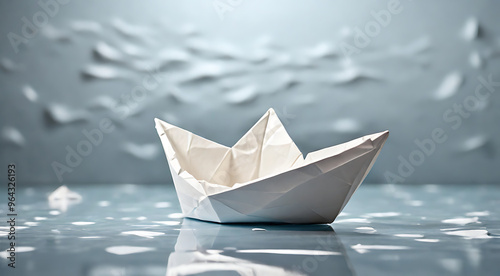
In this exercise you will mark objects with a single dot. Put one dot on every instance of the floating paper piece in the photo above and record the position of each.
(476, 60)
(175, 94)
(470, 234)
(168, 222)
(461, 221)
(7, 65)
(226, 50)
(146, 151)
(382, 215)
(283, 82)
(415, 47)
(474, 143)
(174, 56)
(261, 55)
(104, 51)
(100, 72)
(470, 30)
(427, 240)
(13, 135)
(242, 95)
(204, 71)
(209, 71)
(214, 49)
(62, 114)
(353, 74)
(198, 45)
(133, 50)
(322, 50)
(29, 93)
(53, 33)
(62, 197)
(103, 102)
(171, 117)
(264, 177)
(450, 85)
(129, 30)
(346, 125)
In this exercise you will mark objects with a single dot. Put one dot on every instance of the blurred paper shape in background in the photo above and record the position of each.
(63, 197)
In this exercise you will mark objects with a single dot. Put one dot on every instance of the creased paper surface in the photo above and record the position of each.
(264, 177)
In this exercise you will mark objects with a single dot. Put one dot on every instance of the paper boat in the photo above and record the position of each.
(264, 177)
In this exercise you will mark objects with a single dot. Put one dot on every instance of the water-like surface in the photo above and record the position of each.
(138, 230)
(333, 72)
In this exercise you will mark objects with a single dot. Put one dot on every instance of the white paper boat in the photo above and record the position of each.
(264, 177)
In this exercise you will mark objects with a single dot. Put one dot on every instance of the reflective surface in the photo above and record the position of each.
(333, 71)
(137, 230)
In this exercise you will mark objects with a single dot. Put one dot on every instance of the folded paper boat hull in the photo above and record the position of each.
(313, 192)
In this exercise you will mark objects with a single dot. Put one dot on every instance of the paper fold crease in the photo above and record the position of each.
(264, 176)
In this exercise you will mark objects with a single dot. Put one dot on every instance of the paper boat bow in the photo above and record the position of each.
(264, 177)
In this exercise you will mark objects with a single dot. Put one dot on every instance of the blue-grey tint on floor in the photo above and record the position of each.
(333, 70)
(136, 230)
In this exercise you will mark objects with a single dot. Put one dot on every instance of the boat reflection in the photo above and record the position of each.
(216, 249)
